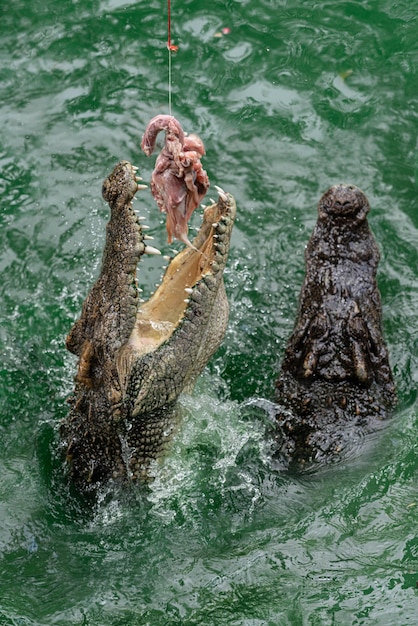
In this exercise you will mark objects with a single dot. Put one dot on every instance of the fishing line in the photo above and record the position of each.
(171, 48)
(169, 81)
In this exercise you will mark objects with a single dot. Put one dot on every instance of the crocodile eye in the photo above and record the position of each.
(105, 189)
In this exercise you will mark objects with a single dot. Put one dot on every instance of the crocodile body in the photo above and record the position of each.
(335, 380)
(136, 358)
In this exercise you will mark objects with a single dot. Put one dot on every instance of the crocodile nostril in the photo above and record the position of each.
(343, 205)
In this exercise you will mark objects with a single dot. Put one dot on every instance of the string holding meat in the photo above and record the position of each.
(178, 183)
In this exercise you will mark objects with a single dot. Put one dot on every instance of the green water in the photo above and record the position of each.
(298, 96)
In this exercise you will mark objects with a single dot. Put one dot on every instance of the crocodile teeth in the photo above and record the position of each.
(215, 225)
(149, 237)
(151, 250)
(142, 187)
(135, 168)
(145, 227)
(186, 300)
(221, 193)
(167, 258)
(188, 290)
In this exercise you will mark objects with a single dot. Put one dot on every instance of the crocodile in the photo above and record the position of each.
(335, 380)
(135, 358)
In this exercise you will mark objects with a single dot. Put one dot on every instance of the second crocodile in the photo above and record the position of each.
(335, 379)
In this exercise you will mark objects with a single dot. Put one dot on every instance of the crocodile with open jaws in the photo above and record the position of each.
(335, 379)
(135, 358)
